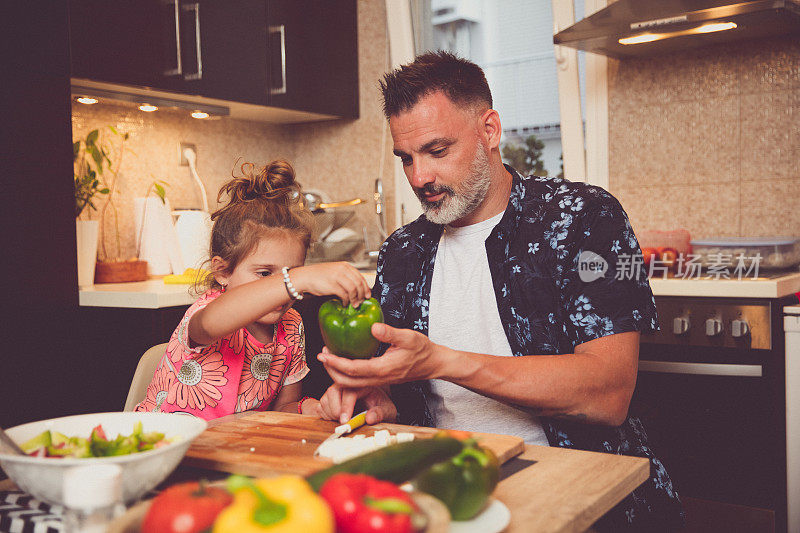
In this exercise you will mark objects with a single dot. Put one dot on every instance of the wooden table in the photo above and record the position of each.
(547, 489)
(567, 490)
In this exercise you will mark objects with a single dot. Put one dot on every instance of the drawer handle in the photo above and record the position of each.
(178, 70)
(199, 74)
(282, 31)
(701, 369)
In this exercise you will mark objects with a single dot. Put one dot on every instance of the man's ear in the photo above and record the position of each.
(219, 269)
(491, 128)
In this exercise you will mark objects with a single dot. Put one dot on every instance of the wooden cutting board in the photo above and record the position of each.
(271, 442)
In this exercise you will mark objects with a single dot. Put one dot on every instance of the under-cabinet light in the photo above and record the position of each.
(199, 114)
(650, 37)
(148, 108)
(138, 98)
(715, 26)
(86, 100)
(641, 38)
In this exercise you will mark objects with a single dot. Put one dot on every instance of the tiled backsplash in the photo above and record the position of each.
(709, 139)
(341, 158)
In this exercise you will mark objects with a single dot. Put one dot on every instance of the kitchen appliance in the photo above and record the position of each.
(791, 326)
(712, 393)
(157, 241)
(669, 25)
(194, 235)
(193, 226)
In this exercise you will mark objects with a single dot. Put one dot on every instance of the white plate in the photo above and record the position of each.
(493, 519)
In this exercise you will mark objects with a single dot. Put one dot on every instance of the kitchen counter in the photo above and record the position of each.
(762, 287)
(150, 294)
(154, 294)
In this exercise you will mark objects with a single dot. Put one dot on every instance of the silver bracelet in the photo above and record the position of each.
(287, 282)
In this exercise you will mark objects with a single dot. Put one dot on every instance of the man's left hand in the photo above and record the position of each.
(411, 356)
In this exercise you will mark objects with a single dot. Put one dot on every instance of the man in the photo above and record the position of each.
(500, 314)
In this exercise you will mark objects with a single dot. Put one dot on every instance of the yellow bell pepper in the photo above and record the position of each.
(284, 504)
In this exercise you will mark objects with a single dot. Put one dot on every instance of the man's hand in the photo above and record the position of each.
(338, 403)
(411, 356)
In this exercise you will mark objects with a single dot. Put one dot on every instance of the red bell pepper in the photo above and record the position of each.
(364, 504)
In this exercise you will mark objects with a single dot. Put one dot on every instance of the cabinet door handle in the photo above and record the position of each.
(199, 74)
(282, 31)
(701, 369)
(178, 70)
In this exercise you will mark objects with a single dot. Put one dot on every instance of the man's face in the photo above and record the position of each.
(443, 156)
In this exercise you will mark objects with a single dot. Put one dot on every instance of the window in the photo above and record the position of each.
(512, 40)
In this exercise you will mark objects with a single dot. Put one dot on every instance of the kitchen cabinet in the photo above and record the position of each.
(291, 54)
(113, 341)
(314, 56)
(126, 42)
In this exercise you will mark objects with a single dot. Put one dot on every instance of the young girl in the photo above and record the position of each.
(240, 346)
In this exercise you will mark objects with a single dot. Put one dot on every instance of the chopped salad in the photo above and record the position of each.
(54, 444)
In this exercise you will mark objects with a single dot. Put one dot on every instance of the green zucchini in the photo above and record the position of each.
(397, 463)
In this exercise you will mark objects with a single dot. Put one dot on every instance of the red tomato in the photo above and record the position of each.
(99, 432)
(185, 508)
(668, 256)
(648, 254)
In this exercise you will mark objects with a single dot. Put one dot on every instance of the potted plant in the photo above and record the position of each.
(89, 160)
(96, 174)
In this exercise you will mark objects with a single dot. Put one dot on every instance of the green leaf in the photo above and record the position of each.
(76, 148)
(104, 191)
(97, 156)
(92, 137)
(113, 129)
(161, 193)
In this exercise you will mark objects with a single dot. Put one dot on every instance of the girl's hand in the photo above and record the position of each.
(338, 403)
(339, 279)
(311, 406)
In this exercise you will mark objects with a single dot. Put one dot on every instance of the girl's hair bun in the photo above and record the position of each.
(274, 182)
(260, 202)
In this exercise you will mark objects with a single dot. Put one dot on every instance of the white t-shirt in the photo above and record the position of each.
(463, 316)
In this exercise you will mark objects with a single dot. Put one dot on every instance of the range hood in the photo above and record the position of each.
(670, 25)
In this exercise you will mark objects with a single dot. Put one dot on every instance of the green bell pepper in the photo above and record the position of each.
(463, 483)
(346, 330)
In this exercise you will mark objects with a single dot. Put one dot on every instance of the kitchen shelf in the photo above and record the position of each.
(728, 288)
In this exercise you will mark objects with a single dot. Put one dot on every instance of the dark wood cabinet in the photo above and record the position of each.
(292, 54)
(224, 50)
(114, 341)
(314, 56)
(127, 42)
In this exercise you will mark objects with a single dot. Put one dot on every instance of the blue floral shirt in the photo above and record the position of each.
(558, 261)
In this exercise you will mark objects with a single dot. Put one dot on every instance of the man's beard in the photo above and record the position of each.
(460, 201)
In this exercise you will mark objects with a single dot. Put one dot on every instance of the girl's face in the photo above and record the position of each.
(267, 258)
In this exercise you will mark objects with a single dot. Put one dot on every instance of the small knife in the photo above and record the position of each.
(354, 423)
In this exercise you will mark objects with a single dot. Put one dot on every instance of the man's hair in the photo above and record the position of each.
(460, 80)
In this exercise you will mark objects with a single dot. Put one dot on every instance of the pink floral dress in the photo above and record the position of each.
(235, 373)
